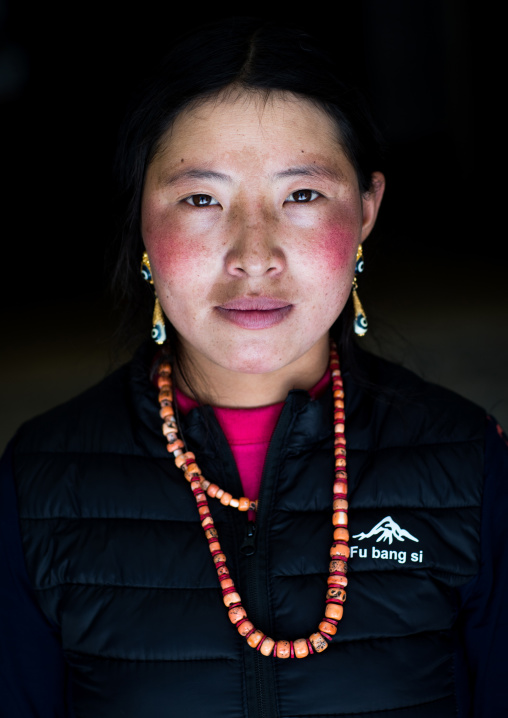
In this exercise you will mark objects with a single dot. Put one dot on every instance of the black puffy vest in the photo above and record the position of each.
(120, 564)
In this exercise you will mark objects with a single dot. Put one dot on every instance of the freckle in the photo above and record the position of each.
(181, 160)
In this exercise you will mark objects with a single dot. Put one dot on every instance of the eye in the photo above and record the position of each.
(303, 195)
(201, 200)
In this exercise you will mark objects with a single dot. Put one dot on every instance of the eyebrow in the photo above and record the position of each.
(309, 170)
(195, 174)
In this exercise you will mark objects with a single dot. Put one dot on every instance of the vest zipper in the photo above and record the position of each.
(259, 670)
(248, 547)
(264, 674)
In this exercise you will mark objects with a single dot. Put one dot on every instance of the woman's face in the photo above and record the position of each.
(251, 217)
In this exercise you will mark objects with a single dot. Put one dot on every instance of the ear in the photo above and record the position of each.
(371, 201)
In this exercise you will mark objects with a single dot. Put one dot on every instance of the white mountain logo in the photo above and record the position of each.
(387, 530)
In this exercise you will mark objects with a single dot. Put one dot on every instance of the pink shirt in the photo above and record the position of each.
(248, 432)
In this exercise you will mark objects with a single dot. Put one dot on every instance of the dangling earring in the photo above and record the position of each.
(158, 326)
(360, 324)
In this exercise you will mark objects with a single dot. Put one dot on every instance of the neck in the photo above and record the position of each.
(214, 385)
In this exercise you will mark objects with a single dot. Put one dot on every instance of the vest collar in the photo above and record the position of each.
(312, 419)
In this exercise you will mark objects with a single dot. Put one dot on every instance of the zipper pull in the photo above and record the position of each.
(248, 547)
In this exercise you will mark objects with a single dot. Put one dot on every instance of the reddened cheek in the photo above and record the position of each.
(334, 248)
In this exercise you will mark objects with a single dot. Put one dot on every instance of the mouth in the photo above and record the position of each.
(255, 312)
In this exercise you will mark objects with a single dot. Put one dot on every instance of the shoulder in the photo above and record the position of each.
(100, 419)
(406, 408)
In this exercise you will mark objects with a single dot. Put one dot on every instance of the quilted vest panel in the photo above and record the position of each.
(120, 566)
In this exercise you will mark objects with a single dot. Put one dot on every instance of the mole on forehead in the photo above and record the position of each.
(333, 174)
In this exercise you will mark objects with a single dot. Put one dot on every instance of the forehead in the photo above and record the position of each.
(251, 129)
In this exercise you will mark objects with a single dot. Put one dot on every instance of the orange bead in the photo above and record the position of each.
(339, 463)
(230, 598)
(342, 580)
(336, 593)
(254, 638)
(267, 646)
(341, 534)
(219, 558)
(236, 613)
(207, 522)
(223, 570)
(211, 533)
(336, 565)
(166, 411)
(301, 648)
(339, 518)
(243, 504)
(225, 498)
(339, 550)
(245, 628)
(327, 627)
(165, 393)
(227, 583)
(338, 393)
(219, 494)
(339, 504)
(180, 461)
(283, 649)
(319, 643)
(214, 546)
(178, 444)
(334, 610)
(212, 490)
(340, 487)
(169, 429)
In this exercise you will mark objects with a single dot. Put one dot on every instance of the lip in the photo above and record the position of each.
(255, 312)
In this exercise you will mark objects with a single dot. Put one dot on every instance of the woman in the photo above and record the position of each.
(188, 524)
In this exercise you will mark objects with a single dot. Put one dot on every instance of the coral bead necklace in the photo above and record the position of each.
(339, 552)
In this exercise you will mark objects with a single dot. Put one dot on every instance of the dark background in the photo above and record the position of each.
(434, 287)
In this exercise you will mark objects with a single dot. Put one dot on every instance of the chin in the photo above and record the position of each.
(255, 365)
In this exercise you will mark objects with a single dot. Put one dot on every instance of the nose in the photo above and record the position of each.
(256, 250)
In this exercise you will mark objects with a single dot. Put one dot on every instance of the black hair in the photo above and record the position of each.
(249, 54)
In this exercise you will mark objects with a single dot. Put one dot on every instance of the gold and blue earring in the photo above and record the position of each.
(360, 324)
(158, 326)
